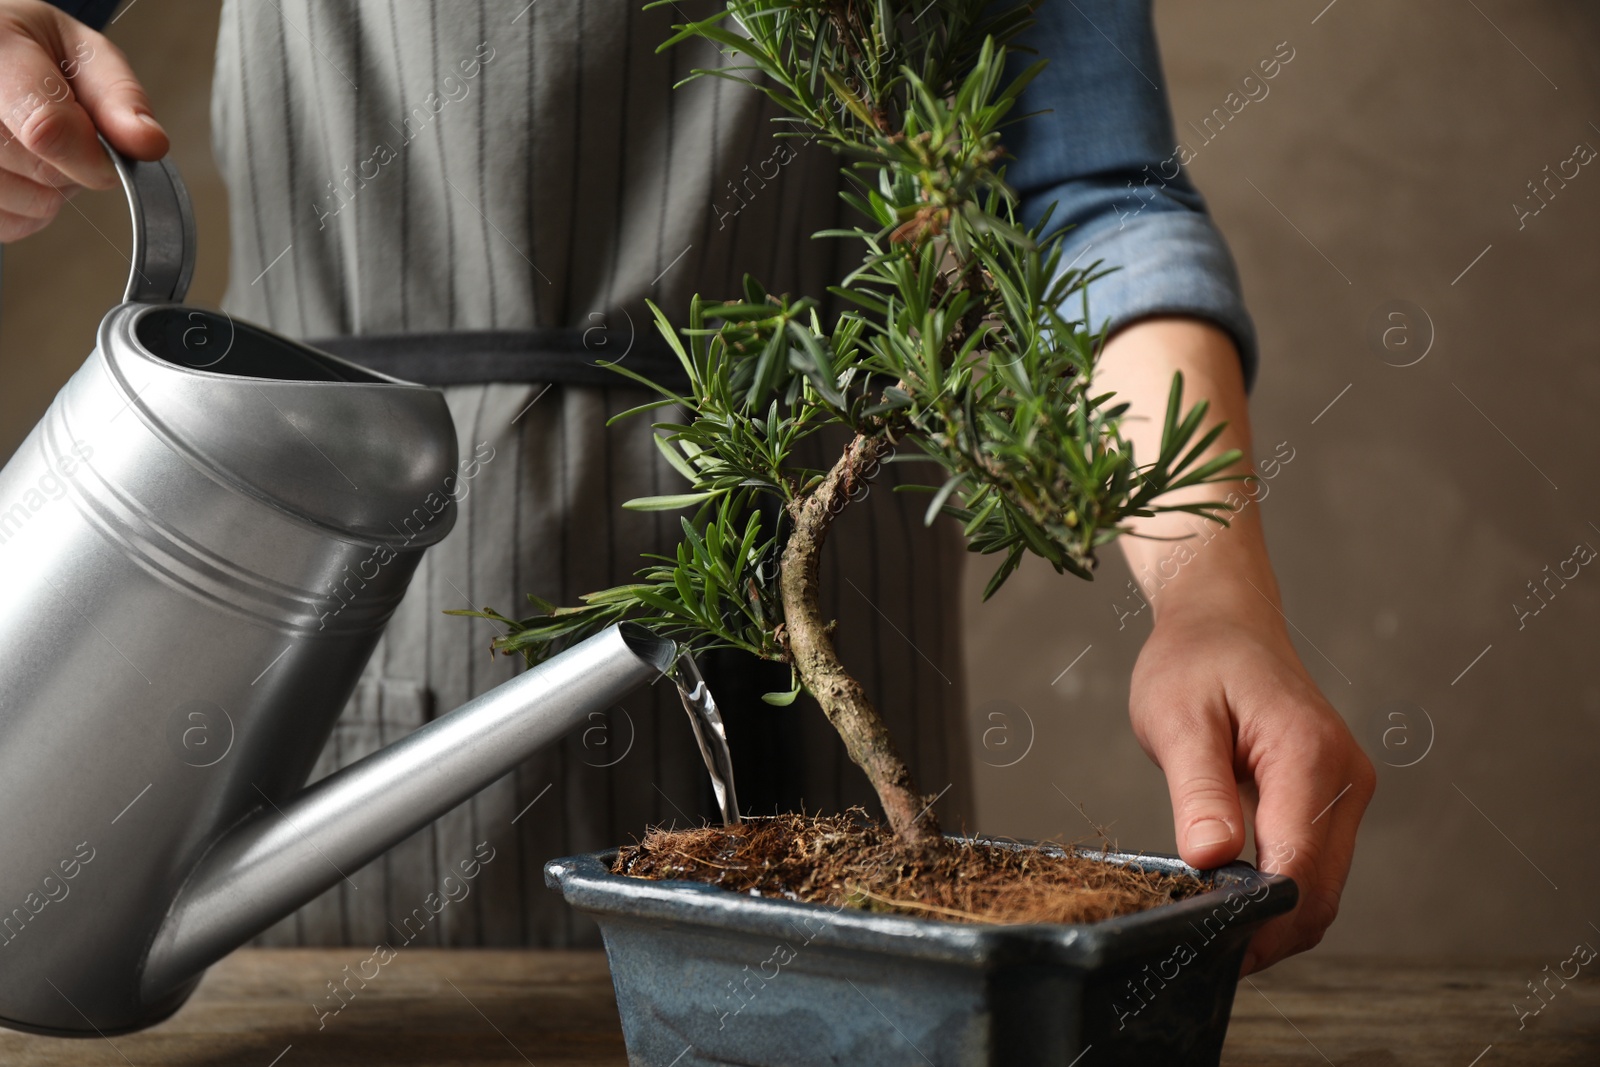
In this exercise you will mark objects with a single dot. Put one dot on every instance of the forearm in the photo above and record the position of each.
(1210, 567)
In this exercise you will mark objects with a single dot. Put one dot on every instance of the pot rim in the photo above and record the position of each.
(1246, 898)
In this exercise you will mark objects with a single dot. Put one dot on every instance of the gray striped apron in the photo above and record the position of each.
(505, 184)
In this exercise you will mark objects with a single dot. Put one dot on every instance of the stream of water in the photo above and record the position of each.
(711, 735)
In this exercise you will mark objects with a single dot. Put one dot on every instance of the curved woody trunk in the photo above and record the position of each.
(810, 645)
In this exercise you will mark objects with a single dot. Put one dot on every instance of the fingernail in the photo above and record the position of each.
(149, 120)
(1209, 832)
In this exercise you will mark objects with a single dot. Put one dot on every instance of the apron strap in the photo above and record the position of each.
(471, 357)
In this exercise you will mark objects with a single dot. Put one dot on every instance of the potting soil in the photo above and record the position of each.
(848, 859)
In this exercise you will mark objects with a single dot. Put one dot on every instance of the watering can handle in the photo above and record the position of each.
(163, 229)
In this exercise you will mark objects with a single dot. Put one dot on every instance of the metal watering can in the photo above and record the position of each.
(200, 544)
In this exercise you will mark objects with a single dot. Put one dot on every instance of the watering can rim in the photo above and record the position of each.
(161, 266)
(132, 311)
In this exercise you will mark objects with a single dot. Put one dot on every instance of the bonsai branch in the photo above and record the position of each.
(842, 698)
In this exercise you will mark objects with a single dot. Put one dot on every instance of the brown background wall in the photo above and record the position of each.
(1384, 161)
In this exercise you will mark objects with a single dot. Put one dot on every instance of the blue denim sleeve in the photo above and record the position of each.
(1101, 149)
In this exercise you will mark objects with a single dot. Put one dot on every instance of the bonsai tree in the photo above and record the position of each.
(955, 341)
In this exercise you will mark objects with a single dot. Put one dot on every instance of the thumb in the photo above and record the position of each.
(1197, 758)
(107, 89)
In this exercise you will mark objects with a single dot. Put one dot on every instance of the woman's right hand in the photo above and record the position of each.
(60, 82)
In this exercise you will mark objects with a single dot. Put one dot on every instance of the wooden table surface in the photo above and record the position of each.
(442, 1008)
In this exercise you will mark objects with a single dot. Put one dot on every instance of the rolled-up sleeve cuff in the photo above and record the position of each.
(1168, 263)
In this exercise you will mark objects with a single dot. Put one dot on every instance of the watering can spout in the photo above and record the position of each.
(286, 853)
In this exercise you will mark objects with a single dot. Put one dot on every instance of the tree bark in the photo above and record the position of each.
(810, 644)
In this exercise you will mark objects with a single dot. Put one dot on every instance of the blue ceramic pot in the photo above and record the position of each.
(707, 977)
